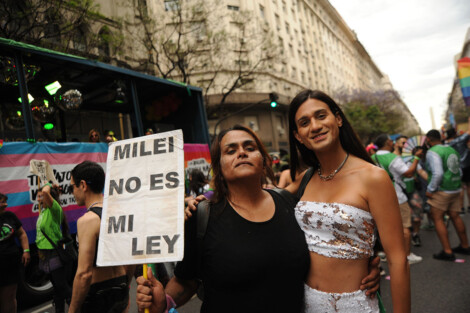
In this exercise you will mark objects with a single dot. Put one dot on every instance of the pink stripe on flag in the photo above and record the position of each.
(9, 160)
(13, 186)
(23, 211)
(196, 148)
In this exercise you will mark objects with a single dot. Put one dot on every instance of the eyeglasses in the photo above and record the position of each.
(70, 189)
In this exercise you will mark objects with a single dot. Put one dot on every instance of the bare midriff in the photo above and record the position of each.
(336, 275)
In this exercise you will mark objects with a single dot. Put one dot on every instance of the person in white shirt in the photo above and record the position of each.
(396, 169)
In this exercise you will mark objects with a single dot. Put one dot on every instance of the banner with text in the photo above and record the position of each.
(21, 186)
(143, 208)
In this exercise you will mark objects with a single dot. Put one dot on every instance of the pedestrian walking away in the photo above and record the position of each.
(460, 144)
(443, 193)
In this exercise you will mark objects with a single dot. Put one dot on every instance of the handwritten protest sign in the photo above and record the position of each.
(143, 208)
(43, 170)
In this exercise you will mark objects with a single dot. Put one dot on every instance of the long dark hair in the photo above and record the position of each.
(348, 138)
(197, 182)
(220, 186)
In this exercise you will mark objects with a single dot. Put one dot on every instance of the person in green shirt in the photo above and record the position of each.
(443, 193)
(51, 217)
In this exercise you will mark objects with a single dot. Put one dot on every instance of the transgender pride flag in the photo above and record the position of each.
(21, 186)
(464, 76)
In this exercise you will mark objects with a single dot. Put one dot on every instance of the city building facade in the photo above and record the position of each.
(240, 52)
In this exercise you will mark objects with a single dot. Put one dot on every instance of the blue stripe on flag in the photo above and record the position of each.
(466, 92)
(52, 147)
(18, 198)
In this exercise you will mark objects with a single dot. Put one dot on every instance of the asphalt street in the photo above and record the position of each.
(436, 286)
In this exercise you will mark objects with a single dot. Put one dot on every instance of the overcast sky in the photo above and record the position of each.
(414, 42)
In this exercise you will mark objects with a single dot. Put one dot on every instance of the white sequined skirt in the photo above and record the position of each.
(317, 301)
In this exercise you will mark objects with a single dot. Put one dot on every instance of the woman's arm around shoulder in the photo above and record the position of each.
(294, 186)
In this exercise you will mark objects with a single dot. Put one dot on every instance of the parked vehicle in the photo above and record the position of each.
(88, 94)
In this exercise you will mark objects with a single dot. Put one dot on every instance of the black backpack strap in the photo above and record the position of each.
(287, 196)
(303, 184)
(203, 213)
(49, 239)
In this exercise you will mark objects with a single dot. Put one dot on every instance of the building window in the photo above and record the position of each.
(280, 125)
(281, 44)
(261, 12)
(233, 8)
(79, 40)
(104, 39)
(172, 5)
(142, 5)
(294, 72)
(287, 29)
(52, 29)
(252, 122)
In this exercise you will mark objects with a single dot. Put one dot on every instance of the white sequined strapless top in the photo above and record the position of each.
(337, 230)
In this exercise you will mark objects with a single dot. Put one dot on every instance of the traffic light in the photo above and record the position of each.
(273, 97)
(48, 126)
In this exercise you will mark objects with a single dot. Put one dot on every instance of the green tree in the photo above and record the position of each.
(374, 113)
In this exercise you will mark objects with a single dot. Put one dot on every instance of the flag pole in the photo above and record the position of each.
(146, 277)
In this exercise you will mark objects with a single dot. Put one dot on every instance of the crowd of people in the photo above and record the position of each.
(309, 247)
(432, 182)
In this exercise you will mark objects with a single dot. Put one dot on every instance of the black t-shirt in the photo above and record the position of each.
(9, 225)
(249, 266)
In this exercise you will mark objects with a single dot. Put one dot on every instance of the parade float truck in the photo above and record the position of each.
(50, 101)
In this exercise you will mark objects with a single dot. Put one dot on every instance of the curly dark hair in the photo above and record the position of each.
(198, 181)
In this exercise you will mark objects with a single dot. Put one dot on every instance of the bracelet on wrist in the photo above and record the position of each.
(26, 250)
(417, 158)
(170, 304)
